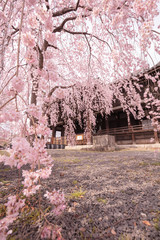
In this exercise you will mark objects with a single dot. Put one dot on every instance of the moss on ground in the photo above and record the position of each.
(2, 211)
(4, 152)
(77, 194)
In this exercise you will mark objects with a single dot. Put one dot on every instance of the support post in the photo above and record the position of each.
(53, 135)
(107, 125)
(130, 128)
(88, 131)
(155, 132)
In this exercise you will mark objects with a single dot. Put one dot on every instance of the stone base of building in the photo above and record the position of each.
(104, 143)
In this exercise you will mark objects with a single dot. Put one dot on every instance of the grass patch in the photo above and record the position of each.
(102, 200)
(6, 169)
(29, 216)
(2, 194)
(77, 194)
(75, 182)
(125, 237)
(155, 164)
(69, 160)
(4, 181)
(3, 152)
(156, 221)
(2, 211)
(143, 164)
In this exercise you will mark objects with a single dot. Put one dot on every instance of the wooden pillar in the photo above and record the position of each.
(130, 127)
(107, 125)
(156, 136)
(88, 131)
(155, 132)
(53, 135)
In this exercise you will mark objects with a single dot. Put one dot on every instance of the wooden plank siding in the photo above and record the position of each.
(132, 134)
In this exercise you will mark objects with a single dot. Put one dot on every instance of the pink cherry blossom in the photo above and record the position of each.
(42, 13)
(31, 2)
(28, 39)
(57, 200)
(32, 21)
(66, 61)
(50, 37)
(18, 84)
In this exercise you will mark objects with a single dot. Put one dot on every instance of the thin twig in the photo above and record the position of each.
(5, 5)
(62, 87)
(19, 39)
(90, 50)
(89, 34)
(8, 82)
(155, 31)
(7, 102)
(66, 10)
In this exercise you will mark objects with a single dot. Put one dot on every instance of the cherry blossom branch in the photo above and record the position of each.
(46, 105)
(112, 35)
(19, 40)
(7, 82)
(5, 5)
(90, 50)
(46, 45)
(89, 34)
(62, 87)
(87, 8)
(60, 27)
(22, 98)
(66, 10)
(41, 55)
(16, 103)
(47, 4)
(7, 102)
(9, 37)
(49, 45)
(10, 77)
(150, 57)
(155, 31)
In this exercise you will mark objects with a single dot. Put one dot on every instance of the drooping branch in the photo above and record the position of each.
(19, 39)
(47, 4)
(46, 45)
(62, 87)
(7, 82)
(50, 45)
(66, 10)
(9, 37)
(48, 105)
(60, 27)
(87, 8)
(5, 5)
(155, 31)
(7, 102)
(35, 82)
(22, 98)
(41, 63)
(41, 58)
(21, 65)
(90, 50)
(89, 34)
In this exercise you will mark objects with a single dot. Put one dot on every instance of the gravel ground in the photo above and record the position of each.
(110, 195)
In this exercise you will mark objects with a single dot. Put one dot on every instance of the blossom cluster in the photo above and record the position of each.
(13, 208)
(50, 232)
(57, 199)
(31, 178)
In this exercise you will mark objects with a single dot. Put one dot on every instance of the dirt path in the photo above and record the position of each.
(110, 195)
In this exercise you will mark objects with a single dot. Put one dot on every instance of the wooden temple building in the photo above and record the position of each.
(125, 128)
